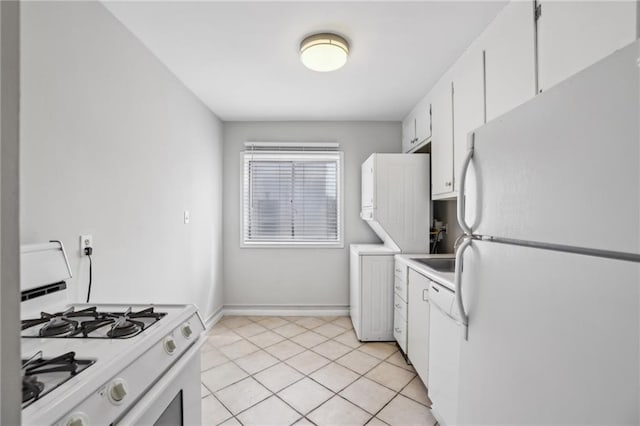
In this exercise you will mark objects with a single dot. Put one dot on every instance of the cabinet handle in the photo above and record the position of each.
(424, 295)
(398, 288)
(397, 330)
(398, 305)
(398, 270)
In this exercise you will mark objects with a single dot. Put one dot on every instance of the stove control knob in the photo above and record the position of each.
(77, 419)
(117, 391)
(170, 345)
(186, 331)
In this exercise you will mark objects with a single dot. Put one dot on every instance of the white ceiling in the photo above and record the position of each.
(241, 58)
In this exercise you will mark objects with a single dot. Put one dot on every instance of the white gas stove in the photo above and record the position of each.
(103, 363)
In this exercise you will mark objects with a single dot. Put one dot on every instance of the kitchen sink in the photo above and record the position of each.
(440, 265)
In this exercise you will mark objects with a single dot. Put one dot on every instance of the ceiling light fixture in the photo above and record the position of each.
(324, 52)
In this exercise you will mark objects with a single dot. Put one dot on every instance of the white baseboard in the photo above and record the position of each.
(214, 318)
(287, 310)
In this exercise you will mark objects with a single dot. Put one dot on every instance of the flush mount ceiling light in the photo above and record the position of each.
(324, 52)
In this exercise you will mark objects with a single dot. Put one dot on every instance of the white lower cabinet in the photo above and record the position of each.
(400, 305)
(371, 296)
(418, 323)
(400, 330)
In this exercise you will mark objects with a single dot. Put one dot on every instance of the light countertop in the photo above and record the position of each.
(444, 278)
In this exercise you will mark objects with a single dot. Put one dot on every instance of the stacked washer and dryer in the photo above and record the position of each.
(396, 204)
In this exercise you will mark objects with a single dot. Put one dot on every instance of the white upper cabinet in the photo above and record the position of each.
(575, 34)
(442, 138)
(516, 56)
(423, 120)
(416, 127)
(408, 132)
(468, 104)
(509, 45)
(368, 185)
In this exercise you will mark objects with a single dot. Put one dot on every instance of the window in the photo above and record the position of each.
(292, 195)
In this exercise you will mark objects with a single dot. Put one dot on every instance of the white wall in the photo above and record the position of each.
(300, 277)
(113, 145)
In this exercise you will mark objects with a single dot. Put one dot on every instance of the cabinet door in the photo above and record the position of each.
(509, 45)
(368, 184)
(423, 120)
(418, 324)
(400, 330)
(468, 104)
(408, 132)
(377, 297)
(573, 35)
(442, 139)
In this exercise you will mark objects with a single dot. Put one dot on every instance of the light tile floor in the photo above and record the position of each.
(276, 371)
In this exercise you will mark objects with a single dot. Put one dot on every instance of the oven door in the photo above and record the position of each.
(174, 399)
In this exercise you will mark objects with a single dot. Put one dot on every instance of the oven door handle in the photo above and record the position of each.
(142, 406)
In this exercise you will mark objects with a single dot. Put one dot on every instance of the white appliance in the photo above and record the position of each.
(548, 277)
(103, 363)
(444, 352)
(371, 308)
(395, 200)
(396, 204)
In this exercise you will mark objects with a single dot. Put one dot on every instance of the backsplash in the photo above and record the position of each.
(446, 211)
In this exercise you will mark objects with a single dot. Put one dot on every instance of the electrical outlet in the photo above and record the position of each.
(85, 241)
(187, 217)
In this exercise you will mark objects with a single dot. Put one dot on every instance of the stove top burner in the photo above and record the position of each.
(57, 326)
(40, 376)
(31, 388)
(90, 323)
(59, 323)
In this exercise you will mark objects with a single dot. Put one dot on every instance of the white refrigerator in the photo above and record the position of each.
(548, 277)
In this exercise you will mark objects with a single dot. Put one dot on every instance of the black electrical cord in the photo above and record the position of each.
(88, 252)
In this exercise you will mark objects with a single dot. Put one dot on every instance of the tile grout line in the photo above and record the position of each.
(252, 376)
(307, 375)
(380, 360)
(293, 383)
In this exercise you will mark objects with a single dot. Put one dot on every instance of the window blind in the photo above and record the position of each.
(291, 197)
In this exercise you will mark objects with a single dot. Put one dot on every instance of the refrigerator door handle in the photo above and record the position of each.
(464, 319)
(463, 177)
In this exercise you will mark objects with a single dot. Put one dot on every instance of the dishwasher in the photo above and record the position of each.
(445, 334)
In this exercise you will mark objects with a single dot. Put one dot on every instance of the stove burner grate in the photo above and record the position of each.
(36, 366)
(57, 326)
(125, 327)
(31, 388)
(122, 324)
(69, 313)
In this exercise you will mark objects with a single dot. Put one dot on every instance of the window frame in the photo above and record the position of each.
(298, 153)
